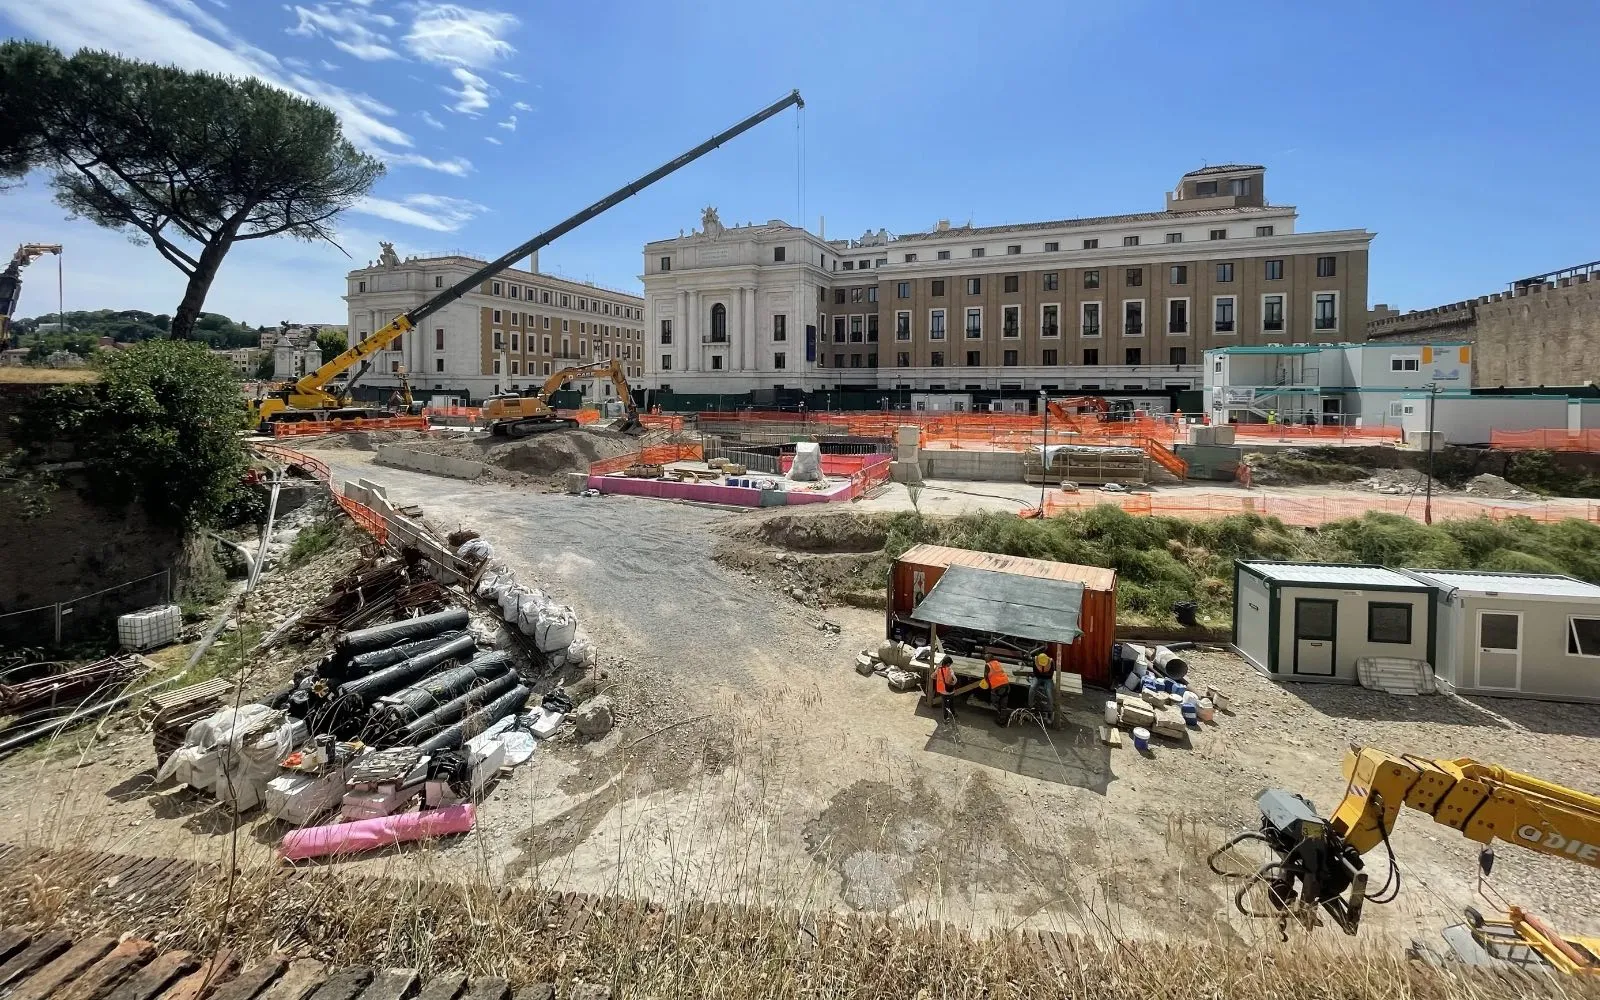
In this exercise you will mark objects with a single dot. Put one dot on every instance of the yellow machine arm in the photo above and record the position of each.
(11, 282)
(612, 369)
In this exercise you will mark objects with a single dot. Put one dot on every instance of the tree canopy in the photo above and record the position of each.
(130, 326)
(190, 163)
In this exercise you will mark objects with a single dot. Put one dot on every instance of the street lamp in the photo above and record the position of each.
(1044, 449)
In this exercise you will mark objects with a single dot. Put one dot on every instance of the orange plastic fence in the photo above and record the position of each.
(306, 428)
(365, 516)
(469, 412)
(656, 454)
(1288, 432)
(659, 422)
(581, 416)
(1546, 440)
(1311, 511)
(1165, 457)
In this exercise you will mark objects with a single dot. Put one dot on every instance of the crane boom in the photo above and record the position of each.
(308, 392)
(11, 283)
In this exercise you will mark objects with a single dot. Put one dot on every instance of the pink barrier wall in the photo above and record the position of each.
(737, 495)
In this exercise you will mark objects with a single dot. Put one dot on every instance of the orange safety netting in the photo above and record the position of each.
(659, 422)
(1290, 432)
(581, 416)
(1309, 512)
(470, 412)
(656, 454)
(1546, 440)
(306, 428)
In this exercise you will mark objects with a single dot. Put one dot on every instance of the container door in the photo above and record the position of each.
(1500, 650)
(1314, 624)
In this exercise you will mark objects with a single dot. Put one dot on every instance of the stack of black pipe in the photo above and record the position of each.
(451, 737)
(395, 711)
(454, 710)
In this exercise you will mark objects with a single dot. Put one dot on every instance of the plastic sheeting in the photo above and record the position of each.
(373, 834)
(448, 739)
(365, 663)
(477, 550)
(451, 712)
(370, 687)
(410, 630)
(807, 467)
(407, 704)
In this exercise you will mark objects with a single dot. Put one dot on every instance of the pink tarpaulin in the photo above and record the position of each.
(372, 834)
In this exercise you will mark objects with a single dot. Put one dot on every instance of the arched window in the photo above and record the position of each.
(719, 323)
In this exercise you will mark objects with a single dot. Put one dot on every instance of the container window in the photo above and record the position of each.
(1583, 636)
(1389, 623)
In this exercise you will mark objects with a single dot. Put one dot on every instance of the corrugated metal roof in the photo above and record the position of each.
(1092, 577)
(1531, 585)
(1004, 604)
(1224, 168)
(1338, 573)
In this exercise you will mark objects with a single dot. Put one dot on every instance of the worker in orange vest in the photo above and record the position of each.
(944, 682)
(998, 682)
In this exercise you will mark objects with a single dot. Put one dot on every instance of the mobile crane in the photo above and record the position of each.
(309, 398)
(1108, 410)
(1319, 862)
(513, 415)
(11, 282)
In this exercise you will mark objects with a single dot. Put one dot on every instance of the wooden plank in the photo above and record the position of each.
(155, 976)
(446, 987)
(298, 981)
(13, 940)
(344, 984)
(219, 969)
(538, 991)
(103, 976)
(391, 984)
(64, 969)
(488, 988)
(250, 982)
(42, 950)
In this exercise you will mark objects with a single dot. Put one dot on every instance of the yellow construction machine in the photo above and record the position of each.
(314, 398)
(11, 283)
(514, 415)
(1318, 862)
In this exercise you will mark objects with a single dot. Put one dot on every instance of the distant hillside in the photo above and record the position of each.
(85, 327)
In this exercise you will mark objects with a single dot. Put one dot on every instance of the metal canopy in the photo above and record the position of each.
(1004, 604)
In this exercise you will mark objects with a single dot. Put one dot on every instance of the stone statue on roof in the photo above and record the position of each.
(388, 258)
(710, 221)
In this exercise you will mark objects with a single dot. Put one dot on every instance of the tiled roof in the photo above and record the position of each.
(1224, 168)
(1098, 220)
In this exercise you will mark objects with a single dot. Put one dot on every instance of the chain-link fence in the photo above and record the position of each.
(86, 618)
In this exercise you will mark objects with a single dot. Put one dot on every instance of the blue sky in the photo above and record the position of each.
(1459, 132)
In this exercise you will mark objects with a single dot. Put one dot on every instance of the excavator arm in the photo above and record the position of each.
(1319, 861)
(611, 369)
(11, 282)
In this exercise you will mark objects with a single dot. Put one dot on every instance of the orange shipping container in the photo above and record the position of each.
(921, 566)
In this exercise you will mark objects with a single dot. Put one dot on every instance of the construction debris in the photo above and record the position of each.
(69, 686)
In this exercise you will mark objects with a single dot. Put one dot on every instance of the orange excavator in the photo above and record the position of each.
(514, 415)
(1107, 410)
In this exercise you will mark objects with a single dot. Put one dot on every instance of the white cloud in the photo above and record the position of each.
(429, 211)
(330, 67)
(456, 166)
(474, 94)
(429, 120)
(490, 138)
(347, 29)
(514, 77)
(510, 124)
(450, 35)
(295, 62)
(522, 106)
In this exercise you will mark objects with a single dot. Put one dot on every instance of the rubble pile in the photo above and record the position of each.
(1495, 488)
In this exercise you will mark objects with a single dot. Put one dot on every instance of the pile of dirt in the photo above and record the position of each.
(1400, 482)
(360, 440)
(1294, 467)
(827, 532)
(553, 453)
(1494, 488)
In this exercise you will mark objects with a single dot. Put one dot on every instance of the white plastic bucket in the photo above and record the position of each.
(1111, 713)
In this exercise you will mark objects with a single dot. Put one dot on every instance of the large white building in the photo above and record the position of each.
(508, 335)
(1112, 303)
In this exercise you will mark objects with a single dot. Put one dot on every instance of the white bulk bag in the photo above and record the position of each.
(556, 628)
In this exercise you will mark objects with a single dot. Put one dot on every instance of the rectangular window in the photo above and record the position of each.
(1222, 315)
(1239, 186)
(1133, 318)
(936, 324)
(1011, 321)
(1405, 364)
(1263, 230)
(1178, 274)
(516, 319)
(1583, 636)
(936, 287)
(1272, 313)
(838, 361)
(936, 359)
(902, 359)
(1091, 319)
(902, 325)
(666, 363)
(849, 265)
(438, 364)
(778, 256)
(838, 296)
(855, 361)
(780, 360)
(1009, 359)
(1224, 272)
(1049, 321)
(1274, 270)
(1132, 356)
(1130, 241)
(855, 329)
(1049, 356)
(1091, 356)
(1091, 244)
(1326, 267)
(1174, 237)
(974, 359)
(1014, 248)
(666, 265)
(438, 281)
(974, 324)
(1052, 281)
(547, 344)
(513, 292)
(1327, 311)
(1010, 283)
(977, 251)
(838, 329)
(499, 340)
(902, 290)
(438, 338)
(872, 293)
(544, 298)
(1052, 247)
(1389, 622)
(1134, 278)
(944, 255)
(716, 362)
(1177, 315)
(855, 295)
(497, 366)
(516, 341)
(495, 288)
(516, 366)
(566, 302)
(911, 258)
(1177, 355)
(1091, 279)
(872, 329)
(780, 327)
(1219, 234)
(583, 348)
(974, 286)
(494, 316)
(1205, 189)
(666, 331)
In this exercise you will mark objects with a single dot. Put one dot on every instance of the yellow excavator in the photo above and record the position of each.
(514, 415)
(1318, 862)
(313, 397)
(11, 283)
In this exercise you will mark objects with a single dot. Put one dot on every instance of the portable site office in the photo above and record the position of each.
(1313, 621)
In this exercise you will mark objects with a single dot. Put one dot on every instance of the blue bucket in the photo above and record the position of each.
(1141, 739)
(1191, 716)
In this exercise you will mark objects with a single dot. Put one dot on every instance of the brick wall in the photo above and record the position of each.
(1544, 334)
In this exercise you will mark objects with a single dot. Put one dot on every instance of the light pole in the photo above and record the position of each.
(1044, 449)
(1427, 501)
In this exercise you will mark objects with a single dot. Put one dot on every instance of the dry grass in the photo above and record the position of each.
(21, 375)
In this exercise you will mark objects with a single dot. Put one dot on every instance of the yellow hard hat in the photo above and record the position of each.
(1042, 659)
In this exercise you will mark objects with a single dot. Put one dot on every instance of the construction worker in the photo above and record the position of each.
(999, 684)
(944, 682)
(1043, 691)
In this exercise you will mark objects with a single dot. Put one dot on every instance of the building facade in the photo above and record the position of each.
(1111, 303)
(508, 335)
(1358, 385)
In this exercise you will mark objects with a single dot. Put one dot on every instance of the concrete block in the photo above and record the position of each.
(908, 436)
(417, 461)
(909, 473)
(1136, 715)
(865, 665)
(577, 482)
(488, 988)
(391, 984)
(447, 986)
(344, 985)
